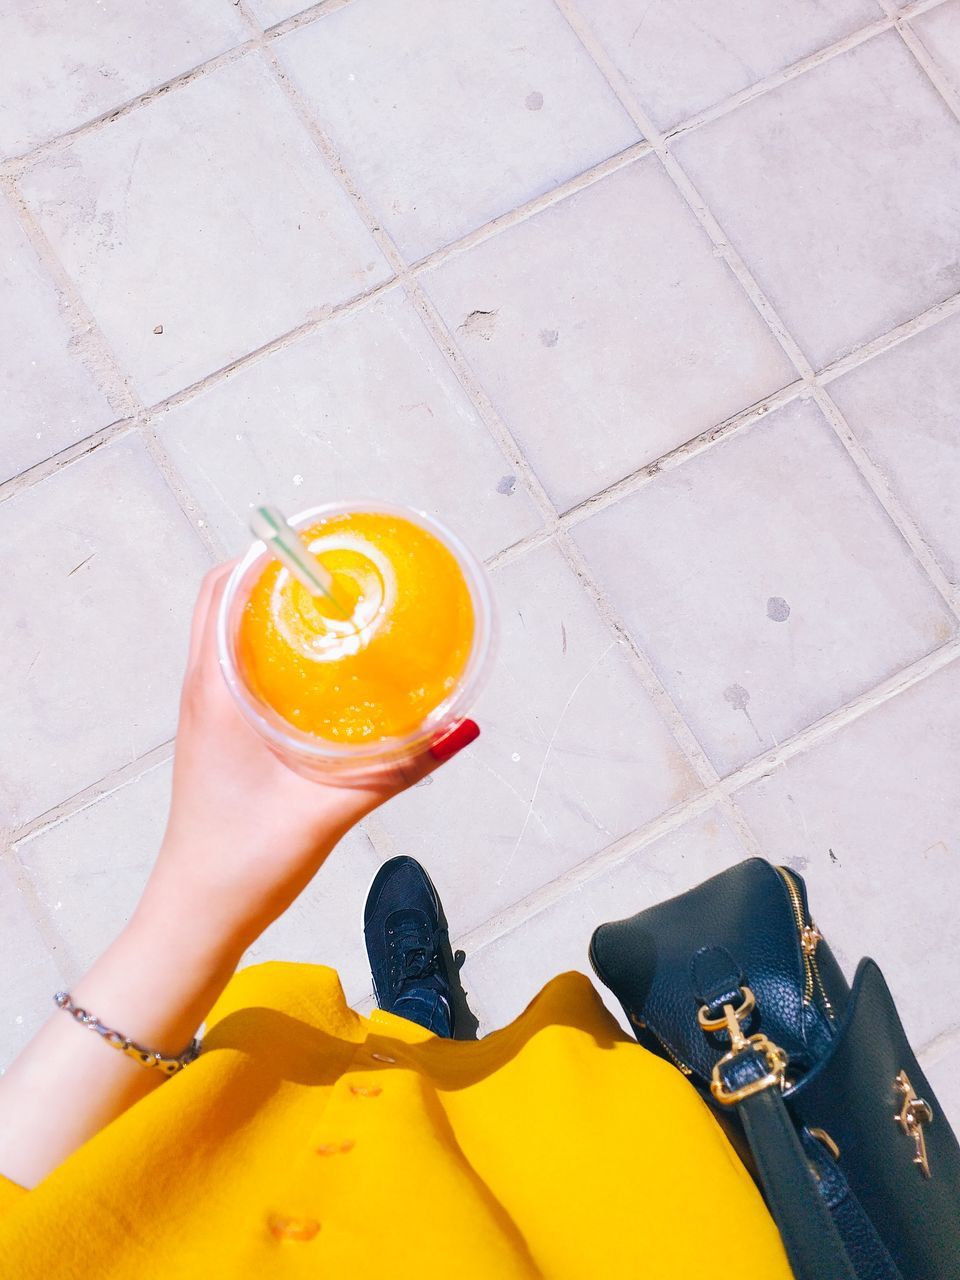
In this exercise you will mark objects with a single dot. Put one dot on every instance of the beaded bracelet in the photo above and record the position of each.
(146, 1057)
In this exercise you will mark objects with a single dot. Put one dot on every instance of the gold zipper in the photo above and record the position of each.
(809, 936)
(681, 1066)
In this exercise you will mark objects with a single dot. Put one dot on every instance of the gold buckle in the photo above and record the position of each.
(776, 1058)
(776, 1070)
(741, 1013)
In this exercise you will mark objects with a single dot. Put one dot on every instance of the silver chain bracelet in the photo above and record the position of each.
(146, 1057)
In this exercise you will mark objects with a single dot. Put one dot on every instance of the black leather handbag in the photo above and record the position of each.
(813, 1080)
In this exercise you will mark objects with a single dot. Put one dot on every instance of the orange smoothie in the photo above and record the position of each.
(379, 661)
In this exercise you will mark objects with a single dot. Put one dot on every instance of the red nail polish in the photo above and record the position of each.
(467, 731)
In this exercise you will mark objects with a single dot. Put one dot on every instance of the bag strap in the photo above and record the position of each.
(869, 1255)
(749, 1077)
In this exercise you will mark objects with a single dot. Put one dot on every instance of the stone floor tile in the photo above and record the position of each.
(839, 191)
(208, 212)
(366, 407)
(943, 1072)
(30, 974)
(607, 331)
(903, 407)
(90, 870)
(93, 657)
(572, 755)
(62, 64)
(269, 12)
(939, 30)
(507, 105)
(50, 397)
(682, 57)
(870, 818)
(765, 583)
(507, 973)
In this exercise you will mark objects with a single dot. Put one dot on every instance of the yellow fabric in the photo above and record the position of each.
(292, 1148)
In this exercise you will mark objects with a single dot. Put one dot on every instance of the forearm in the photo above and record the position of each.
(156, 983)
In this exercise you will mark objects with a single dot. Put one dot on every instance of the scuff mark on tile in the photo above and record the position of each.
(479, 324)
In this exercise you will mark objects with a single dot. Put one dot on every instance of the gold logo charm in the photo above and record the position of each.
(914, 1113)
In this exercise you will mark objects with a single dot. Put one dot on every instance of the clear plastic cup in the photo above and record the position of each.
(356, 763)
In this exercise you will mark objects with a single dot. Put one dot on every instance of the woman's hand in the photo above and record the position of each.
(246, 834)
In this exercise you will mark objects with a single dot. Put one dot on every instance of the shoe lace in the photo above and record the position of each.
(414, 952)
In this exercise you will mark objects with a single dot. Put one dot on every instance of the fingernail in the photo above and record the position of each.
(467, 731)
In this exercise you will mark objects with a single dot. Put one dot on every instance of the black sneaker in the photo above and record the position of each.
(407, 944)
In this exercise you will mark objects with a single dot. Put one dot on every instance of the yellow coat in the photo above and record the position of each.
(307, 1141)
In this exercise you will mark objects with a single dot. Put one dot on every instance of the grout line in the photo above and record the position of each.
(97, 353)
(855, 451)
(909, 329)
(940, 81)
(381, 840)
(89, 795)
(738, 821)
(438, 330)
(93, 348)
(741, 421)
(304, 18)
(329, 153)
(40, 471)
(520, 548)
(148, 418)
(828, 725)
(145, 419)
(643, 668)
(547, 895)
(917, 7)
(636, 151)
(403, 270)
(14, 166)
(291, 336)
(882, 490)
(58, 461)
(40, 917)
(191, 509)
(721, 795)
(261, 37)
(778, 78)
(689, 193)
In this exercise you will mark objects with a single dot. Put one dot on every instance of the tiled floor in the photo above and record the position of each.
(658, 305)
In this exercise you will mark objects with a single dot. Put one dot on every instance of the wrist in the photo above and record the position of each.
(158, 980)
(187, 929)
(197, 898)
